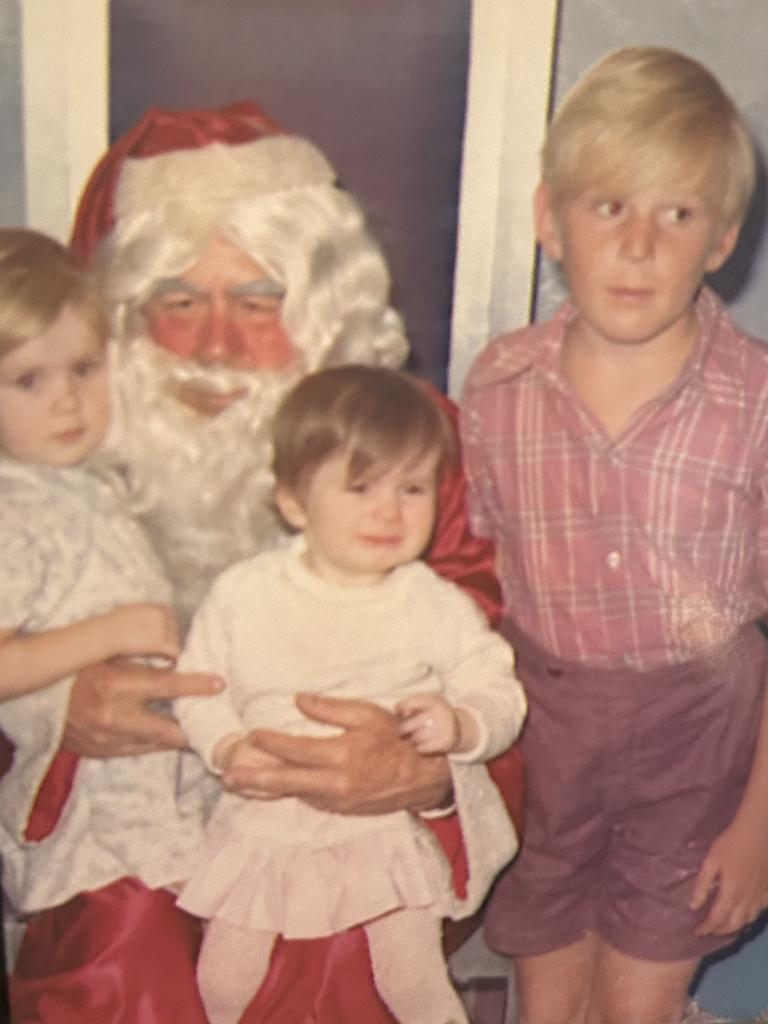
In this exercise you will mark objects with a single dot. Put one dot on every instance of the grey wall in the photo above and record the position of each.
(12, 208)
(378, 85)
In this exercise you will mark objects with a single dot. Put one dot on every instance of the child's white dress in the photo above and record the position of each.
(272, 628)
(69, 551)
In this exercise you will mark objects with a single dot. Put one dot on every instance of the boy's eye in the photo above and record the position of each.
(609, 207)
(679, 214)
(359, 487)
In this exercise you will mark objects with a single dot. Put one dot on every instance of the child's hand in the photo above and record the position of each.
(430, 723)
(736, 870)
(144, 628)
(236, 751)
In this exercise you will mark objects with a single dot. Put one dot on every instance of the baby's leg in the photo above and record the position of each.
(233, 963)
(409, 968)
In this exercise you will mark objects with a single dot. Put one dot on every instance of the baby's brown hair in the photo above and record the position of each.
(377, 415)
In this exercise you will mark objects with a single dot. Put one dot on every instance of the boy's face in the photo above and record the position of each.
(54, 394)
(633, 262)
(358, 531)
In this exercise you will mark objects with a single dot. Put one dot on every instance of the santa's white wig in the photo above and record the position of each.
(277, 201)
(204, 485)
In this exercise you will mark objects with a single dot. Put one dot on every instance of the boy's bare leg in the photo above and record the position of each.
(590, 982)
(555, 987)
(632, 991)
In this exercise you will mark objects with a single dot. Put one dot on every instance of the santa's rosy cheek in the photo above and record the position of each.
(261, 344)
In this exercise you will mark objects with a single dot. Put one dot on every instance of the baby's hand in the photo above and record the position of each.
(236, 751)
(430, 723)
(144, 628)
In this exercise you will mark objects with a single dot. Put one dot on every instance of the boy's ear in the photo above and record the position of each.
(290, 508)
(723, 249)
(546, 222)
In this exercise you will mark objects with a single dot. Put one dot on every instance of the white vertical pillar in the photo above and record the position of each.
(65, 59)
(508, 94)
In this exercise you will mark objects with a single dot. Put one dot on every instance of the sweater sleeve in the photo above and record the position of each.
(206, 720)
(479, 676)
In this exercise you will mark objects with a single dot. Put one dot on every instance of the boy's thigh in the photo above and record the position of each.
(628, 788)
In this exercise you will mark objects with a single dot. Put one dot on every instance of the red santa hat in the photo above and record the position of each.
(229, 152)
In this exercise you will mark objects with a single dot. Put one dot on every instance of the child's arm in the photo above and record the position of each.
(737, 862)
(434, 727)
(30, 661)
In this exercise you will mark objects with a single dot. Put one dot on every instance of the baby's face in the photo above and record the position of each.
(357, 531)
(54, 394)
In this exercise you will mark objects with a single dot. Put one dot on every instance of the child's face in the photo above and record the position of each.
(356, 532)
(54, 394)
(633, 262)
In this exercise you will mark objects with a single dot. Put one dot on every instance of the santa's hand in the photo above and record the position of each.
(368, 769)
(109, 711)
(735, 870)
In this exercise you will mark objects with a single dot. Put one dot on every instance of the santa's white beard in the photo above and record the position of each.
(202, 485)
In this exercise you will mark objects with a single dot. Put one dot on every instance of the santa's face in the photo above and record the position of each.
(224, 311)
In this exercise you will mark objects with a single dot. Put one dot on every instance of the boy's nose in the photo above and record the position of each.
(638, 237)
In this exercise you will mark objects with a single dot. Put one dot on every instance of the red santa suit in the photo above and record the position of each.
(125, 954)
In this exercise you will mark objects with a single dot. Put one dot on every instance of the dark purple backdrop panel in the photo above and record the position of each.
(378, 84)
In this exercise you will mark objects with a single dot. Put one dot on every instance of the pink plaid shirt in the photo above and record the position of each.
(640, 551)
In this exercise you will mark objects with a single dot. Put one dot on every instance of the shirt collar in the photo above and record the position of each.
(543, 346)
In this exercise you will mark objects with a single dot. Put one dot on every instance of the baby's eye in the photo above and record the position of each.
(85, 367)
(358, 487)
(28, 381)
(418, 487)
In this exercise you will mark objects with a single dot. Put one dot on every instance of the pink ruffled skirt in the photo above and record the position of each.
(307, 890)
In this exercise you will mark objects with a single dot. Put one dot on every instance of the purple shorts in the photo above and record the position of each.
(630, 776)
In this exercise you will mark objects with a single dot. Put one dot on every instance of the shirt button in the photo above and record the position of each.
(614, 560)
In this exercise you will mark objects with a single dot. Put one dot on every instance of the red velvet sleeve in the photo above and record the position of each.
(455, 553)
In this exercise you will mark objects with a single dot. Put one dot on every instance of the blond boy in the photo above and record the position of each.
(618, 454)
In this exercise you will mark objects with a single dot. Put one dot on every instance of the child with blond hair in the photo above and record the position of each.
(347, 610)
(79, 584)
(618, 455)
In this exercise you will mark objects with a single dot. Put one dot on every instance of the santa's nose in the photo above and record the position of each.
(218, 339)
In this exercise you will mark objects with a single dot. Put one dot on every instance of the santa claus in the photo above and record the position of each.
(233, 264)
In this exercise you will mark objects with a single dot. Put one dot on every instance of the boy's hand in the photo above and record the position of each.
(144, 628)
(736, 867)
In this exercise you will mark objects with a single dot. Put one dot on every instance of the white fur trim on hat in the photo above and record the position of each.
(218, 172)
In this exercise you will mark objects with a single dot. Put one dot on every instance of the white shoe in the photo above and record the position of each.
(695, 1015)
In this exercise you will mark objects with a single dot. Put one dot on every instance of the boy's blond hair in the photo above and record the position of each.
(645, 116)
(38, 278)
(376, 415)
